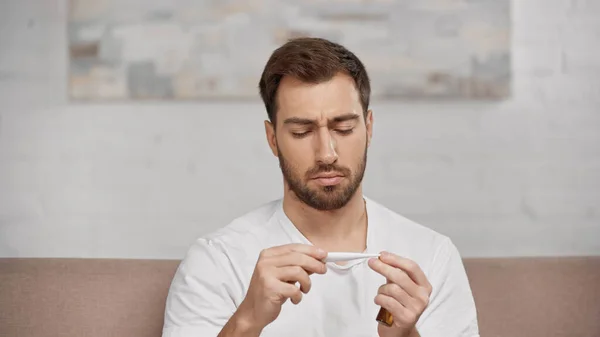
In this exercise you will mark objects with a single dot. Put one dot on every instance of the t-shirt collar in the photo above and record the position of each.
(296, 236)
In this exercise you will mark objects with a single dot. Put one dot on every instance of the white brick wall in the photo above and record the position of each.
(519, 177)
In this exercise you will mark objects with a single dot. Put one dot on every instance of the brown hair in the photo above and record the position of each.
(312, 60)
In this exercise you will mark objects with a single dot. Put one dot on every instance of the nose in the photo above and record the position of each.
(326, 147)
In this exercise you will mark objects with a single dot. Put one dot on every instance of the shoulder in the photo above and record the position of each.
(244, 236)
(399, 234)
(255, 220)
(395, 222)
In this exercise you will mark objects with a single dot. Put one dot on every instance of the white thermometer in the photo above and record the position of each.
(347, 256)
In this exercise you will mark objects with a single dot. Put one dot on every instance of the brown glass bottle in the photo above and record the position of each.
(384, 317)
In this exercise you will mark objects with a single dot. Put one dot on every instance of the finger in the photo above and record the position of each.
(410, 267)
(308, 263)
(401, 314)
(396, 292)
(310, 250)
(290, 291)
(295, 274)
(395, 275)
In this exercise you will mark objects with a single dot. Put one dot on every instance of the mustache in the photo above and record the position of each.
(326, 168)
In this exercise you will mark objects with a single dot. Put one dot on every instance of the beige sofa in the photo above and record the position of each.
(528, 297)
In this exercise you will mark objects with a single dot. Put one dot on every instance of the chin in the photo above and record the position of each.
(331, 193)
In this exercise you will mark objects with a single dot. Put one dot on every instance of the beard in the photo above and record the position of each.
(323, 198)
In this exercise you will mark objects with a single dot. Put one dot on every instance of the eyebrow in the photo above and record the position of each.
(306, 121)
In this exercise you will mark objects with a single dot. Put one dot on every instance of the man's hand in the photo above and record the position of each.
(273, 282)
(405, 295)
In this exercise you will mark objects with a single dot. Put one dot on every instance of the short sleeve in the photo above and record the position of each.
(200, 302)
(451, 311)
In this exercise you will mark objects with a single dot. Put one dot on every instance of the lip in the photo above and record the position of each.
(328, 179)
(328, 175)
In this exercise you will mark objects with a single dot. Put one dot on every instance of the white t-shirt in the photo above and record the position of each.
(212, 280)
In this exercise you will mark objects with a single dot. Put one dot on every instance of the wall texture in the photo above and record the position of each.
(516, 177)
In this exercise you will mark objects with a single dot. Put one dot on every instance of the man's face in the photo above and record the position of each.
(321, 140)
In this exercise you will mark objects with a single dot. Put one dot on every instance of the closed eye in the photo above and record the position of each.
(345, 132)
(300, 134)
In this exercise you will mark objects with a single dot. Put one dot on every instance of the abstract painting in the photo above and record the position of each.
(217, 49)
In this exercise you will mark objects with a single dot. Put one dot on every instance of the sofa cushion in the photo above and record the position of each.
(83, 297)
(533, 297)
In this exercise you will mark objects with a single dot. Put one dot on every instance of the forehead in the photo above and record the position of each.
(317, 101)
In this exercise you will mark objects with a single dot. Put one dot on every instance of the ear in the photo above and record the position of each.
(271, 138)
(369, 125)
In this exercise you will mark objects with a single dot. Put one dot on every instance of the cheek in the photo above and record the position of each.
(298, 156)
(351, 148)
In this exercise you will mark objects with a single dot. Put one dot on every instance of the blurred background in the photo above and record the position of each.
(130, 128)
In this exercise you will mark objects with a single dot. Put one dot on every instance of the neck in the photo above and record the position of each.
(343, 229)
